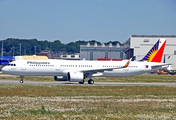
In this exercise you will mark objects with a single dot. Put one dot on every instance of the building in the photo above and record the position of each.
(30, 57)
(94, 52)
(70, 57)
(137, 46)
(60, 55)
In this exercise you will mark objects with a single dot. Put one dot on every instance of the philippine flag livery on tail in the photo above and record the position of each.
(155, 54)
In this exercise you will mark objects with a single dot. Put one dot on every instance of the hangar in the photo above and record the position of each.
(137, 46)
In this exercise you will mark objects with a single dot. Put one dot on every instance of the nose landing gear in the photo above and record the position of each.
(21, 81)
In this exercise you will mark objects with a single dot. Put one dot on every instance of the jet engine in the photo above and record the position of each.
(75, 76)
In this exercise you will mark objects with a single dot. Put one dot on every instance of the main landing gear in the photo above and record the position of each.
(21, 81)
(89, 82)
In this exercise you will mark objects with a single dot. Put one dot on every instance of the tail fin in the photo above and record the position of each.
(156, 53)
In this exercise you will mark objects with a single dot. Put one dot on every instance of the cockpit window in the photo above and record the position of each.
(11, 65)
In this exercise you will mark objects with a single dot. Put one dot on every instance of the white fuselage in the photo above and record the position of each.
(62, 67)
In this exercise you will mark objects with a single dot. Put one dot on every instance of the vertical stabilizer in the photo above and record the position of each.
(156, 53)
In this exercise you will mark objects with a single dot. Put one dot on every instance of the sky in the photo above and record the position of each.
(73, 20)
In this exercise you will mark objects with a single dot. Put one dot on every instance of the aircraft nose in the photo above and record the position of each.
(4, 69)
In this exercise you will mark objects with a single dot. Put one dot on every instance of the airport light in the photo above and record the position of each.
(20, 49)
(25, 51)
(35, 49)
(2, 49)
(13, 51)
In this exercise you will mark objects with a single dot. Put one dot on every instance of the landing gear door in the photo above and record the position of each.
(23, 65)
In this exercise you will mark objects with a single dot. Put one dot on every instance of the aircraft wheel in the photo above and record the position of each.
(21, 81)
(90, 81)
(81, 82)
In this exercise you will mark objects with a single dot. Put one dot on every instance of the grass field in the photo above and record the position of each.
(87, 102)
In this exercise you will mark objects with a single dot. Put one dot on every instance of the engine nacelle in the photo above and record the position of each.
(169, 68)
(60, 78)
(75, 76)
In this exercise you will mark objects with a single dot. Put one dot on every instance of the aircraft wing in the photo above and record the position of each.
(106, 69)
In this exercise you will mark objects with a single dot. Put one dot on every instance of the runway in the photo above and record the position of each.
(16, 82)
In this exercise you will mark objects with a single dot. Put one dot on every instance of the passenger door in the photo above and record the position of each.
(23, 65)
(57, 67)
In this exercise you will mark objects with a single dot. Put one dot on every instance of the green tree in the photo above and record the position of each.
(27, 45)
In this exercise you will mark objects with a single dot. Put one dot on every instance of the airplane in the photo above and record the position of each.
(77, 71)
